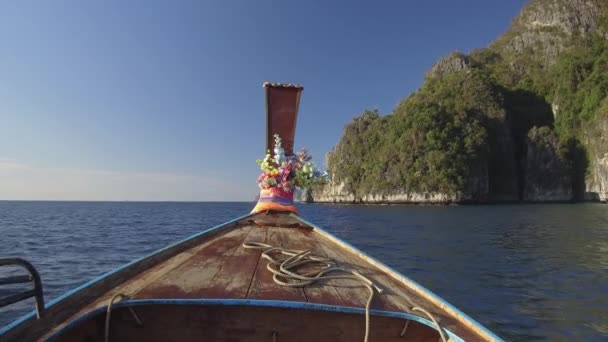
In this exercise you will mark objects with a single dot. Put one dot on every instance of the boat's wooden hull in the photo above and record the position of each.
(210, 286)
(193, 320)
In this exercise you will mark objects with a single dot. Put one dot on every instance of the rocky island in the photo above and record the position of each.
(525, 119)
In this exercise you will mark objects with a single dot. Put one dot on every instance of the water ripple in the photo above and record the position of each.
(529, 273)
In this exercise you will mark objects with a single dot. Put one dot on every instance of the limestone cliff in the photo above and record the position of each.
(596, 138)
(545, 28)
(523, 119)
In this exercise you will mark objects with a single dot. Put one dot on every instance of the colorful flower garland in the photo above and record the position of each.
(288, 172)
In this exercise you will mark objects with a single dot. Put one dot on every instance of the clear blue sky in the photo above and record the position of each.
(162, 100)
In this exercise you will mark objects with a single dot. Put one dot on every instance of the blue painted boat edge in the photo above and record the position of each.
(428, 292)
(55, 301)
(255, 303)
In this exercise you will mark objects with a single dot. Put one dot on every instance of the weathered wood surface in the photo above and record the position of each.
(282, 104)
(218, 266)
(262, 285)
(205, 274)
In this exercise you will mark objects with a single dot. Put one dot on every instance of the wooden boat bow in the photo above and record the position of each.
(196, 284)
(210, 286)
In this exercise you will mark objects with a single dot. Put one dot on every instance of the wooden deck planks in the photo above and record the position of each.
(262, 285)
(224, 269)
(322, 291)
(133, 287)
(353, 291)
(388, 299)
(221, 270)
(257, 234)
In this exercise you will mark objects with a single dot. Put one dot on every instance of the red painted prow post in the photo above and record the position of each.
(282, 103)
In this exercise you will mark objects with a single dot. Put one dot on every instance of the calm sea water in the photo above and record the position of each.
(527, 272)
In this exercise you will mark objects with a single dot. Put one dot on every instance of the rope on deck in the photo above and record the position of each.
(285, 273)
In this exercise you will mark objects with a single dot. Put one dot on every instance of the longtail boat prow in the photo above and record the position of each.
(267, 276)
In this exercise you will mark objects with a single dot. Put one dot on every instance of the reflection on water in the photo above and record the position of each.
(529, 272)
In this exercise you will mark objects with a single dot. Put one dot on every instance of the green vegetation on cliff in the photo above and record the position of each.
(471, 131)
(581, 84)
(427, 145)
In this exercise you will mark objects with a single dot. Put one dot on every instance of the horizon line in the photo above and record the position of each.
(122, 201)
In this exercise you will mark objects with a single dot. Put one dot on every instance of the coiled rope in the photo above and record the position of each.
(285, 273)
